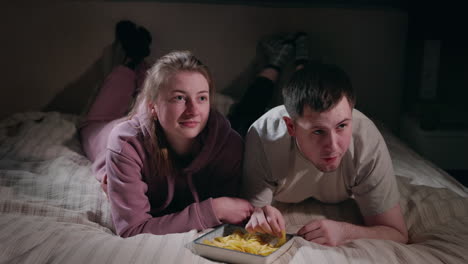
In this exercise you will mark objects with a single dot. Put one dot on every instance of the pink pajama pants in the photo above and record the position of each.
(109, 107)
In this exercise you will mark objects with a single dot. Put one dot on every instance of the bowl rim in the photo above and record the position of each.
(199, 241)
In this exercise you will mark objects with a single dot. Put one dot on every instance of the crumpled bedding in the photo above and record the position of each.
(52, 209)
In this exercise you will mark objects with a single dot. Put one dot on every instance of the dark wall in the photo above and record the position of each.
(444, 21)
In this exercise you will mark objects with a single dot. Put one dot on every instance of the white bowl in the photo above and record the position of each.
(234, 256)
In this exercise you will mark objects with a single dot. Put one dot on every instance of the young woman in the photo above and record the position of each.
(174, 163)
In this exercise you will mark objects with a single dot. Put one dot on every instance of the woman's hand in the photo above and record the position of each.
(232, 210)
(268, 220)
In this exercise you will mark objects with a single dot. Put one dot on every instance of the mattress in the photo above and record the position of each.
(52, 209)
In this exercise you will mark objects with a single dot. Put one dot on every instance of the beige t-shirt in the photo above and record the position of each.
(274, 167)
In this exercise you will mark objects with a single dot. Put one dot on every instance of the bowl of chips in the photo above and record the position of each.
(233, 244)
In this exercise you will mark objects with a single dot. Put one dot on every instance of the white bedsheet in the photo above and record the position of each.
(52, 209)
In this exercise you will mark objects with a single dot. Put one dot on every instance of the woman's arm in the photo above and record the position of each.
(130, 205)
(225, 184)
(388, 225)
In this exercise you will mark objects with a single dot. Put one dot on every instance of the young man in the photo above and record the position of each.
(316, 145)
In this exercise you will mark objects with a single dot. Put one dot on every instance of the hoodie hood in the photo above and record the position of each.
(212, 140)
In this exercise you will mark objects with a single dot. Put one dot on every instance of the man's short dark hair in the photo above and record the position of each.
(319, 86)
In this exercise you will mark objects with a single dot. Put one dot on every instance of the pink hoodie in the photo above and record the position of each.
(145, 202)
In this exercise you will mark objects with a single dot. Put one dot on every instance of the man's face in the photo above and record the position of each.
(323, 138)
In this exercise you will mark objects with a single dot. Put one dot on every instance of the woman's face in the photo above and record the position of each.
(183, 105)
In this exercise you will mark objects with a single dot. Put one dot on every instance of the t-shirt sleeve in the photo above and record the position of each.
(374, 188)
(257, 183)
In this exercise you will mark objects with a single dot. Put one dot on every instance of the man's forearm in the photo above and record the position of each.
(353, 232)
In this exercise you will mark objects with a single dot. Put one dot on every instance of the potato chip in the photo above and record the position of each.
(245, 242)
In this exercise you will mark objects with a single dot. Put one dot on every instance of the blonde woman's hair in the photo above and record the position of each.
(156, 79)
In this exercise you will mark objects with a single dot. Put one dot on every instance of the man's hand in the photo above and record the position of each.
(388, 225)
(268, 220)
(232, 210)
(324, 231)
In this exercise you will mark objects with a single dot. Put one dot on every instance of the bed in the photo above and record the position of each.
(52, 209)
